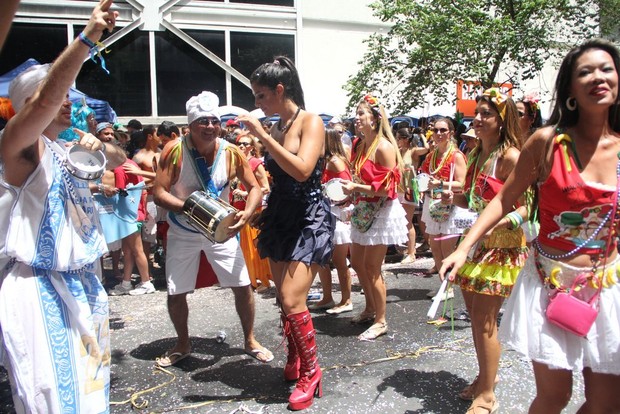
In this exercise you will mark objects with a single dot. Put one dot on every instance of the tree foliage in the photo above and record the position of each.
(433, 43)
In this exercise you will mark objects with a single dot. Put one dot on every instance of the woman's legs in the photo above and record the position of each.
(601, 392)
(358, 254)
(553, 389)
(483, 314)
(325, 276)
(339, 259)
(410, 210)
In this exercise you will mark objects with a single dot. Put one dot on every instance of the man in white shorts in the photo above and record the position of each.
(203, 161)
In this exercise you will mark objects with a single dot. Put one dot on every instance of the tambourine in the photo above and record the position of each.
(423, 180)
(334, 191)
(85, 164)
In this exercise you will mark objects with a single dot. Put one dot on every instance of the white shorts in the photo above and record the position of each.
(149, 228)
(183, 259)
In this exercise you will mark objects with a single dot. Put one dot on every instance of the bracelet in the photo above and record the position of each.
(515, 219)
(101, 188)
(103, 147)
(95, 50)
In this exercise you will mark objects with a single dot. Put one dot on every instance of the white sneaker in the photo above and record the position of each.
(143, 289)
(448, 294)
(119, 290)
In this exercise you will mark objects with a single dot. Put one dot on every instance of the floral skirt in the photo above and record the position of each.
(495, 264)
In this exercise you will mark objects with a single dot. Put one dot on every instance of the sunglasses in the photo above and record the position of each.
(440, 130)
(243, 144)
(207, 121)
(521, 114)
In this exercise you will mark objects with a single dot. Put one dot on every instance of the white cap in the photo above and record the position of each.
(204, 105)
(335, 120)
(26, 84)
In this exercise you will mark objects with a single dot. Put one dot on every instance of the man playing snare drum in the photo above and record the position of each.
(203, 161)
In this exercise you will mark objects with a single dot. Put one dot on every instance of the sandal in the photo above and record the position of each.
(468, 392)
(375, 331)
(483, 407)
(363, 318)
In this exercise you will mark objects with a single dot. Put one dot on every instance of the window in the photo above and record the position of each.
(286, 3)
(38, 41)
(183, 72)
(127, 88)
(250, 50)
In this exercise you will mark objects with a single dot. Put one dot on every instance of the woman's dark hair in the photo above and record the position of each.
(404, 132)
(561, 116)
(281, 71)
(333, 146)
(533, 112)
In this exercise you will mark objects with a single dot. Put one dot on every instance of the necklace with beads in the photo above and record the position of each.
(433, 167)
(286, 127)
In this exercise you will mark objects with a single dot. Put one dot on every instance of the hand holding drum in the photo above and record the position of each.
(334, 190)
(86, 161)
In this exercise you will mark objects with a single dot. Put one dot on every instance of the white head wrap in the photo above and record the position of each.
(204, 105)
(26, 84)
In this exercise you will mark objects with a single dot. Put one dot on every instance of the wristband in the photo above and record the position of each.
(101, 188)
(95, 50)
(515, 219)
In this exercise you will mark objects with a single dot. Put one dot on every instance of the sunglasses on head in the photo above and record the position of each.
(207, 121)
(440, 130)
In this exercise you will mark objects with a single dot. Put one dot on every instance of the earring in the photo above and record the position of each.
(571, 103)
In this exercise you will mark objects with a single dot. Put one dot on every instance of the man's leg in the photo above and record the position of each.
(244, 304)
(179, 313)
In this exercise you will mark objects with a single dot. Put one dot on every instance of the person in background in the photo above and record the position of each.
(167, 131)
(530, 118)
(54, 314)
(296, 227)
(469, 141)
(337, 167)
(377, 167)
(258, 268)
(133, 125)
(574, 162)
(490, 272)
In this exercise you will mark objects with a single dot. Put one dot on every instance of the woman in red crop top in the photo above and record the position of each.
(574, 162)
(489, 275)
(377, 168)
(337, 167)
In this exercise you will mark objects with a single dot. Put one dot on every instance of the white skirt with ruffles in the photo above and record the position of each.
(389, 227)
(525, 328)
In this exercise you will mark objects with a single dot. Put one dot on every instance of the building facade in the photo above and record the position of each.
(164, 51)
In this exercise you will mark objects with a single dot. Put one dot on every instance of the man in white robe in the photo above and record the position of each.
(53, 309)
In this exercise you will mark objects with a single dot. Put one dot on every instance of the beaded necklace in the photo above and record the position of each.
(444, 159)
(476, 172)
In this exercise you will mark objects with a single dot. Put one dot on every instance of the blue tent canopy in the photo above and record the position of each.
(103, 110)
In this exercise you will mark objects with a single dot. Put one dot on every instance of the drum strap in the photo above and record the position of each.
(202, 169)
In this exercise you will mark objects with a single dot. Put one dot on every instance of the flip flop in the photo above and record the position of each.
(171, 358)
(255, 353)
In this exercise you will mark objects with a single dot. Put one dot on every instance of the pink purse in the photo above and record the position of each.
(571, 313)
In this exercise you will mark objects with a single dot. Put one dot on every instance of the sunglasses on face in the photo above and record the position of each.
(243, 144)
(521, 114)
(207, 121)
(440, 130)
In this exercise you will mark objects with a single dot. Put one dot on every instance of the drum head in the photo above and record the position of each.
(85, 164)
(334, 191)
(221, 232)
(423, 181)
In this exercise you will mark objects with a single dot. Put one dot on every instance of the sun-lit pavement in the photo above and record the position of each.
(416, 368)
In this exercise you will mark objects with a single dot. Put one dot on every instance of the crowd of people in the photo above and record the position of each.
(511, 210)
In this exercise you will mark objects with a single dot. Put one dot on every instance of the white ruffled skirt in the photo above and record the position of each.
(459, 220)
(525, 328)
(389, 227)
(342, 233)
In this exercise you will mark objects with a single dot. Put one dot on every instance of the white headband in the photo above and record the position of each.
(204, 105)
(26, 84)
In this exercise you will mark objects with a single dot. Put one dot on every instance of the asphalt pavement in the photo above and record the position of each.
(416, 368)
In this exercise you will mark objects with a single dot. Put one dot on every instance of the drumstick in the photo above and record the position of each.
(433, 309)
(451, 177)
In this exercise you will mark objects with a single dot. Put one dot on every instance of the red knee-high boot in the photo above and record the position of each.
(310, 375)
(291, 369)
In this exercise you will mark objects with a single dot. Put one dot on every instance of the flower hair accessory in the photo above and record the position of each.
(532, 98)
(372, 101)
(498, 98)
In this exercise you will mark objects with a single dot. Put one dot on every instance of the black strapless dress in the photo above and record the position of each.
(297, 224)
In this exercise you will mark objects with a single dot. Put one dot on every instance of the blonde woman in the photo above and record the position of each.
(377, 166)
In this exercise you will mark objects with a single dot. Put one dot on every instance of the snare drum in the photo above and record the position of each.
(85, 164)
(209, 215)
(423, 180)
(333, 190)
